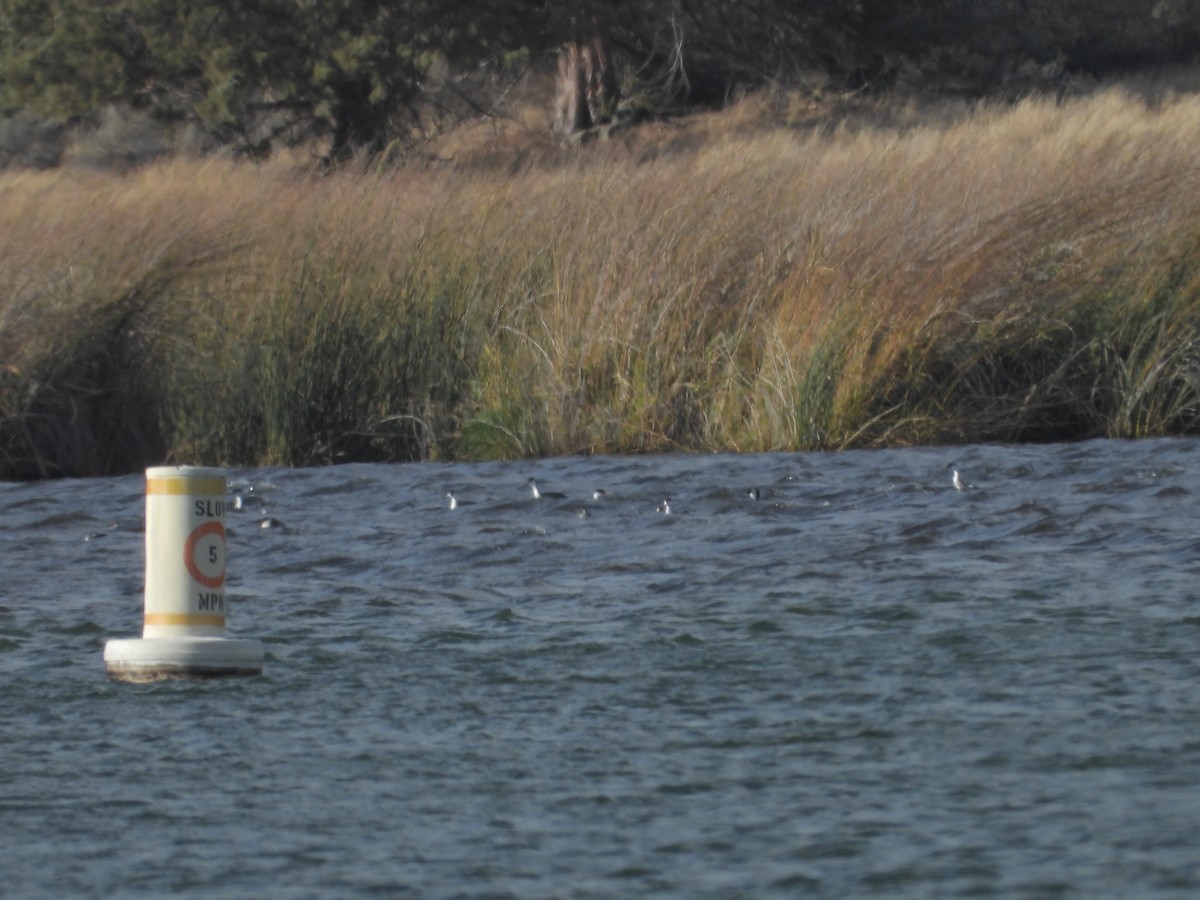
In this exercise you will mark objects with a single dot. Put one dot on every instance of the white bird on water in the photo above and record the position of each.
(454, 503)
(241, 500)
(539, 494)
(665, 506)
(958, 482)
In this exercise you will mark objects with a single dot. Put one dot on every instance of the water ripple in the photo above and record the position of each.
(863, 683)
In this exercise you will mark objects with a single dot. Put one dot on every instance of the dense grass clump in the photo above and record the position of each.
(1026, 272)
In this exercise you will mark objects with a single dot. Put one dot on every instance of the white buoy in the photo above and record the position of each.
(183, 633)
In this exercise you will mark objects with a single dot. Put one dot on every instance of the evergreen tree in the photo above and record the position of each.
(249, 69)
(357, 71)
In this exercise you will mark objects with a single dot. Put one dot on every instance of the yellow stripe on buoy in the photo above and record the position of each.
(183, 619)
(176, 486)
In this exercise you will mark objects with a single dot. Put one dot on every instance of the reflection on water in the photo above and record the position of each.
(863, 681)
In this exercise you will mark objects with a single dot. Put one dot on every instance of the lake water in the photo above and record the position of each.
(864, 683)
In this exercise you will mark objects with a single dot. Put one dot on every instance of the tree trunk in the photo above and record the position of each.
(358, 124)
(586, 87)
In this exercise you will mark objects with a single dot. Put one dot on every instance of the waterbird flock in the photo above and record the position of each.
(245, 499)
(664, 506)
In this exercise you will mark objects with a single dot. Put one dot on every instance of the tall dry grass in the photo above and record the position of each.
(1026, 272)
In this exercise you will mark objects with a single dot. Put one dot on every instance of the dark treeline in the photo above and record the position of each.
(365, 75)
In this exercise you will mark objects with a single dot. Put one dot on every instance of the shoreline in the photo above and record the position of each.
(1025, 273)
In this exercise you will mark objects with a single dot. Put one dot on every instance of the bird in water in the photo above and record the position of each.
(599, 494)
(95, 535)
(753, 493)
(453, 502)
(243, 499)
(266, 520)
(665, 506)
(539, 494)
(958, 482)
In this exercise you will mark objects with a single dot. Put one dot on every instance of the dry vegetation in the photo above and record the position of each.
(743, 281)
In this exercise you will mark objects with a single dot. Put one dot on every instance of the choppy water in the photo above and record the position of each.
(864, 683)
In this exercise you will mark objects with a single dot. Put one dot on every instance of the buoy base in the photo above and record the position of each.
(155, 659)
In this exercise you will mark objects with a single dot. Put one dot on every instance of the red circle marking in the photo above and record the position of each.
(189, 554)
